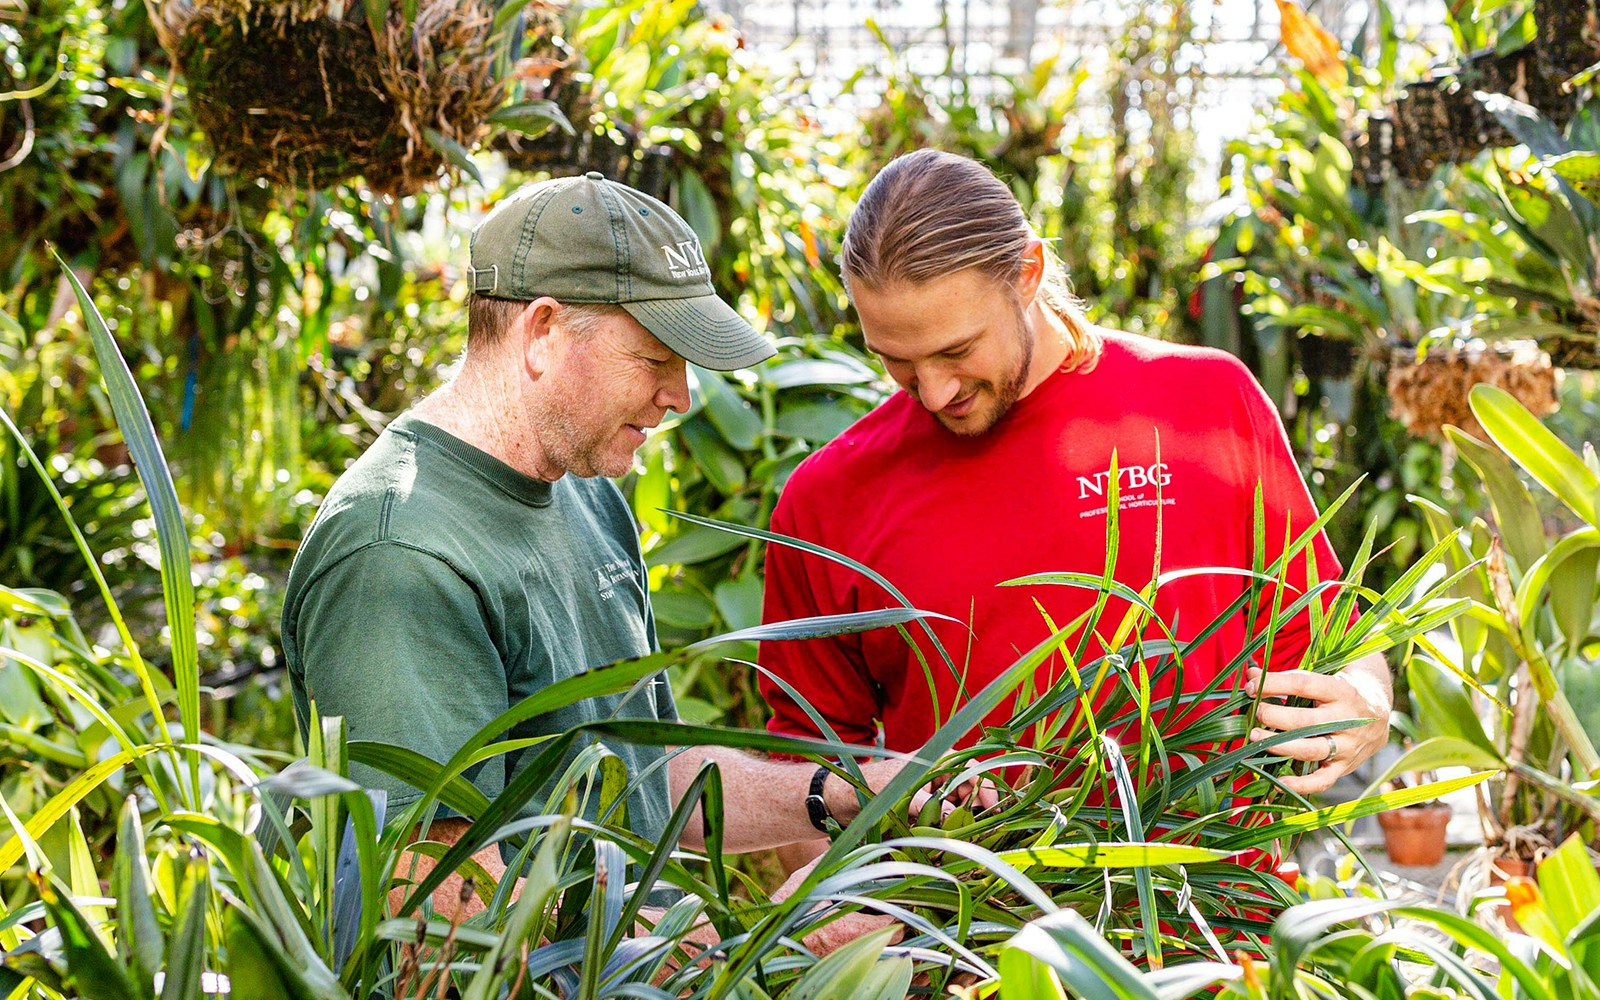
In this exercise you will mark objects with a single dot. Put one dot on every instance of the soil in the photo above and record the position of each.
(298, 103)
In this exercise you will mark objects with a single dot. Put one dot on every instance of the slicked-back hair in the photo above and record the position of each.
(930, 214)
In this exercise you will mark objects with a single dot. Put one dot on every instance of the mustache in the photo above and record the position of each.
(966, 390)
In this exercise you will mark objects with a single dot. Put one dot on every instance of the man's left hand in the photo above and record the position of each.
(1355, 693)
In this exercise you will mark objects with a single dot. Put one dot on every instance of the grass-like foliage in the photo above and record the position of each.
(1137, 821)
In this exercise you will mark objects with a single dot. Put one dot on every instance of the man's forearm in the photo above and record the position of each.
(450, 899)
(764, 801)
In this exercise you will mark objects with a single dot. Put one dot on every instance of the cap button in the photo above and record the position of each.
(595, 175)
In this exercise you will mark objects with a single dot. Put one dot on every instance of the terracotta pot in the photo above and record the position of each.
(1414, 835)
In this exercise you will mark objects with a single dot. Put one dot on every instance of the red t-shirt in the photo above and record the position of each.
(946, 518)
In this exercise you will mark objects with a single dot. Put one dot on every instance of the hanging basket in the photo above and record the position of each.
(1429, 392)
(1330, 358)
(1581, 351)
(307, 93)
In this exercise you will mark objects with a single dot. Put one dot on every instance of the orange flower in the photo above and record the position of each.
(1310, 43)
(808, 238)
(1522, 893)
(1252, 979)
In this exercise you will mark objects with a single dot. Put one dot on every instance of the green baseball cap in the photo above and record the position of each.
(591, 240)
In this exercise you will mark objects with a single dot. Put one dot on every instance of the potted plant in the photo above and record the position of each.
(1515, 693)
(1415, 834)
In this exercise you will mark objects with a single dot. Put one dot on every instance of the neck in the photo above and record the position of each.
(486, 407)
(1050, 342)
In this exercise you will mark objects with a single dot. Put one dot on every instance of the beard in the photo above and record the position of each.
(996, 398)
(583, 449)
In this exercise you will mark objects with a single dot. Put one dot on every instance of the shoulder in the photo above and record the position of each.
(360, 505)
(377, 588)
(362, 523)
(1163, 358)
(388, 566)
(864, 447)
(1190, 385)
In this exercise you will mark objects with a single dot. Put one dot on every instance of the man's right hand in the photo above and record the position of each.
(840, 931)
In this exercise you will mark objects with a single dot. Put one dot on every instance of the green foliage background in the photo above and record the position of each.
(273, 331)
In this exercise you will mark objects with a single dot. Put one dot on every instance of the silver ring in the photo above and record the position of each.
(1333, 748)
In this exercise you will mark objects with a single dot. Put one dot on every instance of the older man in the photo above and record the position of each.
(994, 462)
(478, 553)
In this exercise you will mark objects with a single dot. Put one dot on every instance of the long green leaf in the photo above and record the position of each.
(147, 681)
(822, 625)
(540, 886)
(1083, 960)
(1437, 752)
(829, 554)
(186, 959)
(93, 971)
(139, 934)
(900, 788)
(843, 974)
(1110, 855)
(172, 532)
(57, 805)
(1344, 812)
(1514, 512)
(419, 771)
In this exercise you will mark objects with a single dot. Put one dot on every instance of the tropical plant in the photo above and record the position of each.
(1355, 945)
(1516, 691)
(1530, 217)
(1317, 279)
(1112, 798)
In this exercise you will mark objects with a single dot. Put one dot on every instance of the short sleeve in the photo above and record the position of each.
(1289, 511)
(396, 641)
(829, 673)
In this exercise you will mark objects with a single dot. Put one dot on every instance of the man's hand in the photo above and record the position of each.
(1360, 691)
(840, 931)
(977, 794)
(455, 899)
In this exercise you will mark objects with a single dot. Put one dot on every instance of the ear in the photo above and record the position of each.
(1032, 274)
(535, 334)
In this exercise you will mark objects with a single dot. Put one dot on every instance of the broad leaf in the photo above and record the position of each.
(1534, 447)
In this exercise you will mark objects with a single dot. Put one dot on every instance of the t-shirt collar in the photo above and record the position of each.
(521, 487)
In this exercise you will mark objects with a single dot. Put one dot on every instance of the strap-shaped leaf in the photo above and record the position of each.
(172, 533)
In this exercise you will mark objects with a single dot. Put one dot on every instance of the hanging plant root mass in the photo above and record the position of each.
(1432, 391)
(286, 93)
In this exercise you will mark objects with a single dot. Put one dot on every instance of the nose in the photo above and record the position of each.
(674, 391)
(935, 389)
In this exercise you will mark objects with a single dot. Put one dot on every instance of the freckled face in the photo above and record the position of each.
(604, 391)
(960, 345)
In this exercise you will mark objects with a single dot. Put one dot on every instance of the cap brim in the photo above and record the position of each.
(704, 330)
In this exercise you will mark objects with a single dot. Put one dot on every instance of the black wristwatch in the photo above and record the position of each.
(816, 805)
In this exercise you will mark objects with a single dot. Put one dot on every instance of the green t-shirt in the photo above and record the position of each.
(438, 586)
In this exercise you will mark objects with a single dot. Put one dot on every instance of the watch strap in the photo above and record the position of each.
(817, 806)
